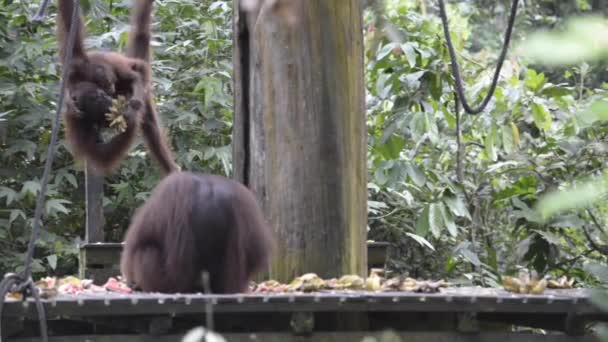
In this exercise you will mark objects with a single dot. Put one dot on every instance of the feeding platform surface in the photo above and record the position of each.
(479, 300)
(444, 315)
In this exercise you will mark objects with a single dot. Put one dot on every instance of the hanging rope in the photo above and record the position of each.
(41, 11)
(456, 68)
(13, 283)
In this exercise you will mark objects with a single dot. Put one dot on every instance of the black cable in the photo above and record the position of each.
(41, 11)
(51, 149)
(456, 68)
(23, 283)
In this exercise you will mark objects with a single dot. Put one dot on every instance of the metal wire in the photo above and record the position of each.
(456, 68)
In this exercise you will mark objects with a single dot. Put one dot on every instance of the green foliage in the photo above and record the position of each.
(582, 41)
(528, 140)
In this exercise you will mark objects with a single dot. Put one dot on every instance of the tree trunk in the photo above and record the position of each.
(300, 134)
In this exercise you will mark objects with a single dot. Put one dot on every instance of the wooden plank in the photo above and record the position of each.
(303, 323)
(334, 337)
(241, 65)
(377, 254)
(94, 206)
(94, 224)
(100, 261)
(570, 302)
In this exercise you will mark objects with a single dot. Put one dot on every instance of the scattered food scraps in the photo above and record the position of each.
(561, 283)
(114, 285)
(527, 283)
(311, 282)
(52, 286)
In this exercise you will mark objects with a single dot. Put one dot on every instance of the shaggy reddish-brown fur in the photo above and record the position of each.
(95, 78)
(194, 223)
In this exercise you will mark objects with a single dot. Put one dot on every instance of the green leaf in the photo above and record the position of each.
(37, 266)
(410, 53)
(56, 205)
(392, 148)
(218, 5)
(556, 91)
(8, 193)
(30, 187)
(489, 144)
(52, 260)
(448, 220)
(515, 134)
(14, 214)
(415, 174)
(492, 257)
(418, 126)
(450, 118)
(379, 176)
(432, 129)
(376, 207)
(470, 256)
(457, 206)
(422, 224)
(386, 50)
(507, 139)
(597, 111)
(422, 241)
(534, 81)
(71, 179)
(435, 220)
(383, 86)
(413, 80)
(542, 117)
(548, 236)
(24, 146)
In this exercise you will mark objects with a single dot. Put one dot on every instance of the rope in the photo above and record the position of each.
(41, 11)
(23, 283)
(208, 305)
(456, 67)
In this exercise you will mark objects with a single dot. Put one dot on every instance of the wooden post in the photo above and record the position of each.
(300, 134)
(94, 206)
(98, 260)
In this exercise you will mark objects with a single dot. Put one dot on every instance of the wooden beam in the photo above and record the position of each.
(335, 337)
(94, 232)
(94, 206)
(300, 138)
(565, 302)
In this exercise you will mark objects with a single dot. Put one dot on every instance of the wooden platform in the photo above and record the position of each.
(450, 300)
(454, 310)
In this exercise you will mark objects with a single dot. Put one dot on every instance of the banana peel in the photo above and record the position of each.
(373, 282)
(538, 287)
(115, 117)
(561, 283)
(350, 282)
(309, 282)
(527, 284)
